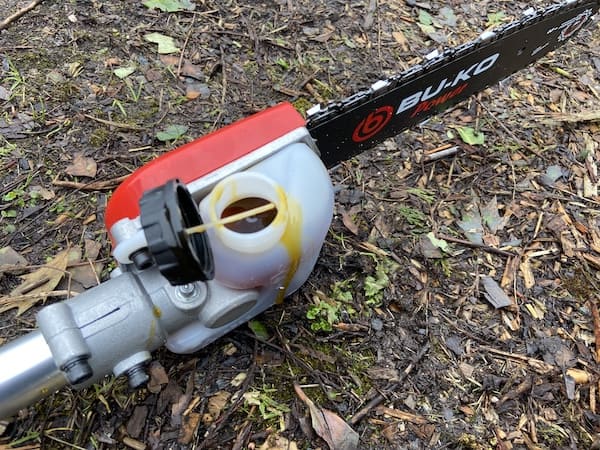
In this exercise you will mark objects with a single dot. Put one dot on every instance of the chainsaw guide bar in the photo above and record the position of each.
(345, 128)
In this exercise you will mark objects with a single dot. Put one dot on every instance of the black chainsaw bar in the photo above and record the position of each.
(345, 128)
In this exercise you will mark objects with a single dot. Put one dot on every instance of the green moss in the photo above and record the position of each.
(99, 137)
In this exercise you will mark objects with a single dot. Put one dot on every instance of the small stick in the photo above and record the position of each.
(234, 218)
(483, 247)
(10, 19)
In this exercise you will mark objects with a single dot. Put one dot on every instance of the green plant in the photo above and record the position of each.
(268, 407)
(414, 217)
(375, 285)
(118, 104)
(134, 93)
(325, 312)
(16, 80)
(423, 194)
(323, 315)
(6, 148)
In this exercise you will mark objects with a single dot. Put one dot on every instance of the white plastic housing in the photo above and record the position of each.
(283, 253)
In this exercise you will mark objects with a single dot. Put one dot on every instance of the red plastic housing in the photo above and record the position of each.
(202, 156)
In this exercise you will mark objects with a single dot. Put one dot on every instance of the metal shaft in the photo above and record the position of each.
(27, 373)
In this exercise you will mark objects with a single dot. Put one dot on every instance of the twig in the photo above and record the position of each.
(10, 19)
(185, 43)
(483, 247)
(93, 186)
(37, 295)
(377, 400)
(596, 319)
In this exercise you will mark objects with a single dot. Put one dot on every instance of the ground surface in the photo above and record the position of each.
(387, 311)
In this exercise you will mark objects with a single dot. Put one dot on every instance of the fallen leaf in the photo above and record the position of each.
(10, 257)
(166, 44)
(41, 281)
(276, 442)
(189, 427)
(171, 133)
(349, 223)
(124, 72)
(400, 38)
(329, 426)
(259, 329)
(472, 227)
(37, 191)
(215, 406)
(82, 166)
(158, 377)
(470, 136)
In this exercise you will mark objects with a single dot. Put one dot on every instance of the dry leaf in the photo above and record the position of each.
(42, 192)
(276, 442)
(10, 257)
(188, 428)
(91, 249)
(82, 166)
(329, 426)
(158, 377)
(42, 281)
(348, 222)
(216, 403)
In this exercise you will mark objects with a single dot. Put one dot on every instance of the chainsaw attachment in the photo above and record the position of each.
(206, 237)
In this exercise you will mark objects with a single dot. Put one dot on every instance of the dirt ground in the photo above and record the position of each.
(396, 331)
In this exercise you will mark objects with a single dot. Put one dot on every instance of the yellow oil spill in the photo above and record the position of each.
(156, 311)
(216, 195)
(291, 240)
(151, 334)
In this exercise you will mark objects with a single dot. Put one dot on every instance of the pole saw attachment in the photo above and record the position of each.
(213, 233)
(187, 273)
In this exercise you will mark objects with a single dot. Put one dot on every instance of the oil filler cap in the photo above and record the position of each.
(165, 214)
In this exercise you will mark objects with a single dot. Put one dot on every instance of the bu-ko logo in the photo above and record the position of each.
(372, 124)
(439, 93)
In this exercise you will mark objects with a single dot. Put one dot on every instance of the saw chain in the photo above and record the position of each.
(347, 127)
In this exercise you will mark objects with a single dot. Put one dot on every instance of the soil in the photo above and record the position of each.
(395, 331)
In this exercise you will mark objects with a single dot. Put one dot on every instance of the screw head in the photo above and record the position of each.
(187, 290)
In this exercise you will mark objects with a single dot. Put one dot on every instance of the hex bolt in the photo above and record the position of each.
(77, 370)
(137, 376)
(187, 290)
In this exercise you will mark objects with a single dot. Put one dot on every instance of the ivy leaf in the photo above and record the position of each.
(439, 243)
(470, 136)
(259, 329)
(425, 18)
(166, 44)
(171, 133)
(448, 16)
(124, 72)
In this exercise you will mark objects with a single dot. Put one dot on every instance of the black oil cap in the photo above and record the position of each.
(165, 213)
